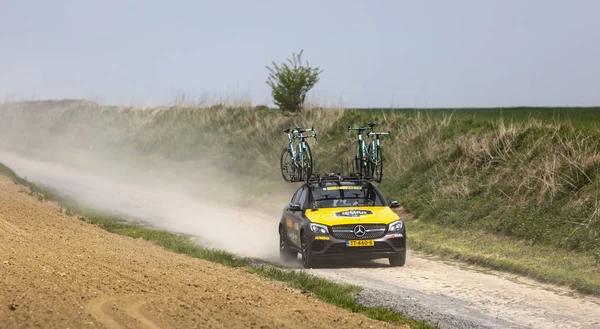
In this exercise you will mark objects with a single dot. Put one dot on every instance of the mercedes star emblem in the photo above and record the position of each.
(359, 231)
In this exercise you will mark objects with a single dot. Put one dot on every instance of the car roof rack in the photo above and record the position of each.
(336, 177)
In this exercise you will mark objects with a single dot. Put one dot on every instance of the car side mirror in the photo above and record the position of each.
(394, 204)
(295, 207)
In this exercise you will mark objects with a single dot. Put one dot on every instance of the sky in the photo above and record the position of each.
(460, 53)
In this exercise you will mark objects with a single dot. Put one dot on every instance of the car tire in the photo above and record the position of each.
(307, 260)
(286, 254)
(398, 260)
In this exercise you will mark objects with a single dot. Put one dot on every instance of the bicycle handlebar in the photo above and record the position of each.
(302, 130)
(302, 136)
(297, 131)
(370, 126)
(360, 129)
(388, 133)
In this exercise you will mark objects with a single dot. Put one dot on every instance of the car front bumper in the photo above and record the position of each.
(330, 247)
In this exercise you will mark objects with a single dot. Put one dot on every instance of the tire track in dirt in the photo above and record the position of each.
(101, 310)
(96, 308)
(7, 229)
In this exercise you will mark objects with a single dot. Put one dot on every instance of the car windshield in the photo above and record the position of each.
(345, 196)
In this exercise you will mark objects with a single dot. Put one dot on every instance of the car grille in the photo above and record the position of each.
(372, 231)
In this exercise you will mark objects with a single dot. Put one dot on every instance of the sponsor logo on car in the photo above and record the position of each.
(353, 213)
(349, 187)
(321, 237)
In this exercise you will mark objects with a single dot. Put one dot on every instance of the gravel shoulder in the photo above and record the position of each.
(454, 296)
(61, 272)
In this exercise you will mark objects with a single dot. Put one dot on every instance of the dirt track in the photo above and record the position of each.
(447, 294)
(60, 272)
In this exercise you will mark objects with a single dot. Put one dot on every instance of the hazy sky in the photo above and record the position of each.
(373, 53)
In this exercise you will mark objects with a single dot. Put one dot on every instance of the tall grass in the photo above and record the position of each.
(526, 173)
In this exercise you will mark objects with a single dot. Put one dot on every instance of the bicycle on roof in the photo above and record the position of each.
(368, 159)
(296, 161)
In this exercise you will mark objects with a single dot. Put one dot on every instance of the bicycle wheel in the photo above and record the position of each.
(375, 164)
(310, 158)
(379, 165)
(288, 170)
(360, 165)
(370, 161)
(358, 161)
(306, 165)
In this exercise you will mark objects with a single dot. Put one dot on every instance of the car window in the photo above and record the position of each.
(296, 196)
(346, 196)
(303, 200)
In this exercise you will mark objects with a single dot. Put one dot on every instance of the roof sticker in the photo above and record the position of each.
(347, 187)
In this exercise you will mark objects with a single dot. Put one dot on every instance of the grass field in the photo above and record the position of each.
(581, 117)
(524, 174)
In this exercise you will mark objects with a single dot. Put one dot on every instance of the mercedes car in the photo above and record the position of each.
(341, 218)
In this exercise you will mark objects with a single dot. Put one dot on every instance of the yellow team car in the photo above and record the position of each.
(344, 218)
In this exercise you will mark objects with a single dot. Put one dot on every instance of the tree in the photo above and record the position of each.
(290, 82)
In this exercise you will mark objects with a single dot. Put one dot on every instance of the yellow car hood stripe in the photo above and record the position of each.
(345, 215)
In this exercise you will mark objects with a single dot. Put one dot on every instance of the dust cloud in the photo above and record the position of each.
(180, 196)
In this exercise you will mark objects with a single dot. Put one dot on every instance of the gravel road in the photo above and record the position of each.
(446, 294)
(464, 297)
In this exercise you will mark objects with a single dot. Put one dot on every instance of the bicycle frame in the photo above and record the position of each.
(291, 137)
(368, 157)
(297, 151)
(301, 146)
(361, 143)
(375, 143)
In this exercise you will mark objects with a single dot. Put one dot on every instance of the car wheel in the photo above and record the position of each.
(286, 254)
(307, 260)
(398, 260)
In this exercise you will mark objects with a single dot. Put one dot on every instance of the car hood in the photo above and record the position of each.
(351, 215)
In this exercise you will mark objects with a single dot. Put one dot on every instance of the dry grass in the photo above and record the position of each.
(531, 178)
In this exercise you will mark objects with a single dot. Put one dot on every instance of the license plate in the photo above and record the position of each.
(360, 243)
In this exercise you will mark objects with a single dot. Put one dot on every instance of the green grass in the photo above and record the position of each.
(340, 295)
(337, 294)
(578, 116)
(579, 271)
(177, 243)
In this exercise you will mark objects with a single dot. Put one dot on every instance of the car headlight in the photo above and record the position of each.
(396, 226)
(319, 229)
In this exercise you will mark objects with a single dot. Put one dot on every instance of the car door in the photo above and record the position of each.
(296, 217)
(288, 216)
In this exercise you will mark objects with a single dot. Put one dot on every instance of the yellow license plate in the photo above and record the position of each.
(360, 243)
